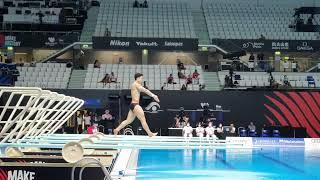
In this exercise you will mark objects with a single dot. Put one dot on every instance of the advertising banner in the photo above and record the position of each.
(45, 172)
(255, 45)
(312, 142)
(37, 40)
(278, 141)
(145, 43)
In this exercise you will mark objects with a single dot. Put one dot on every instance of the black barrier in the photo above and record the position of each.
(37, 40)
(255, 45)
(145, 43)
(296, 109)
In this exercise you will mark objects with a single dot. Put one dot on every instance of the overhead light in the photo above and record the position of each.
(21, 53)
(145, 52)
(277, 53)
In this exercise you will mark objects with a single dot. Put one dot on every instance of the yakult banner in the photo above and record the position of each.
(145, 43)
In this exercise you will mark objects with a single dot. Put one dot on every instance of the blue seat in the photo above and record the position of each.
(237, 77)
(252, 133)
(265, 133)
(242, 132)
(276, 133)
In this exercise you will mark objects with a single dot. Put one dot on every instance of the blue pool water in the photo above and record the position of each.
(247, 164)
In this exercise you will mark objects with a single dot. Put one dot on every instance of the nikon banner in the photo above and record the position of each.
(255, 45)
(145, 43)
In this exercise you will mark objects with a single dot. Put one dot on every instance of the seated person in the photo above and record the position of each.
(252, 127)
(185, 120)
(113, 78)
(163, 87)
(195, 76)
(170, 79)
(181, 75)
(286, 81)
(183, 87)
(189, 79)
(210, 131)
(200, 130)
(136, 4)
(106, 79)
(252, 130)
(232, 131)
(180, 65)
(177, 121)
(220, 131)
(96, 64)
(187, 130)
(92, 129)
(145, 4)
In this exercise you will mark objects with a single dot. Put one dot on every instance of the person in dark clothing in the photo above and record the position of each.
(226, 81)
(184, 87)
(136, 4)
(251, 58)
(145, 4)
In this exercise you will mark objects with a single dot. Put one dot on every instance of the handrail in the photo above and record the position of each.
(65, 49)
(93, 161)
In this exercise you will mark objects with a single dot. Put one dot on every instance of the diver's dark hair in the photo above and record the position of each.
(137, 75)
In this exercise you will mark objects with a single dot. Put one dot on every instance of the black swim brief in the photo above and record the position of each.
(132, 106)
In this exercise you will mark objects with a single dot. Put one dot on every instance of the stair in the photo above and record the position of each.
(90, 25)
(200, 27)
(77, 79)
(211, 81)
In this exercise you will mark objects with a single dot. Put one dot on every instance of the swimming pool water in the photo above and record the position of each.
(248, 164)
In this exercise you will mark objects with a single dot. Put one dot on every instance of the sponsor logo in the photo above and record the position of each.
(254, 45)
(153, 107)
(21, 175)
(278, 141)
(304, 47)
(280, 45)
(312, 142)
(12, 41)
(51, 41)
(119, 43)
(149, 44)
(173, 44)
(247, 141)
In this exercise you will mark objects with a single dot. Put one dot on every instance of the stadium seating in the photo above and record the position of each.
(44, 75)
(29, 15)
(155, 76)
(162, 19)
(249, 19)
(261, 79)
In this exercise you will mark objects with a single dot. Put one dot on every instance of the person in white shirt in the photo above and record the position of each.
(187, 130)
(200, 130)
(210, 131)
(232, 131)
(87, 120)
